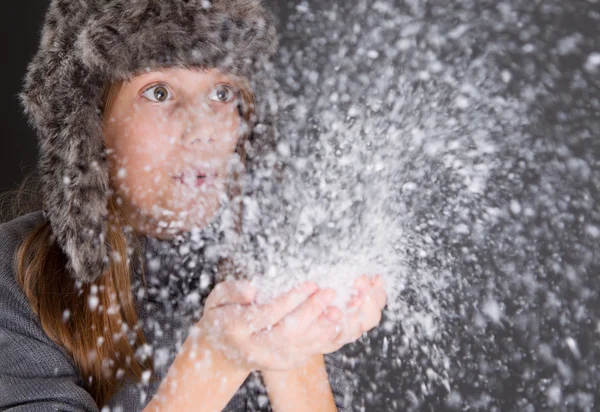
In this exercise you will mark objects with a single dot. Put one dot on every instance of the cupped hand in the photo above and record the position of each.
(362, 313)
(280, 335)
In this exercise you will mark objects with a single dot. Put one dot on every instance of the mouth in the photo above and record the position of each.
(195, 180)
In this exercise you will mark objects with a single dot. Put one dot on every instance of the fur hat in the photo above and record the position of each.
(88, 43)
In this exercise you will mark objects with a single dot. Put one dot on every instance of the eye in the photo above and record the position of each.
(222, 93)
(158, 93)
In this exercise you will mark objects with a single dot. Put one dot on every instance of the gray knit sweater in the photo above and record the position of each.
(38, 375)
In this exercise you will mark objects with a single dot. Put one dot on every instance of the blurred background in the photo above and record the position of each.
(19, 39)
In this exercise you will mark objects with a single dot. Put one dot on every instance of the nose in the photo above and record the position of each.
(198, 128)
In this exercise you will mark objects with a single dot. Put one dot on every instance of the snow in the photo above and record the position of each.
(146, 377)
(93, 302)
(425, 143)
(592, 64)
(66, 315)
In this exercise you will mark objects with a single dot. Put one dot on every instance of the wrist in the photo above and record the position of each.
(309, 366)
(304, 388)
(200, 378)
(199, 340)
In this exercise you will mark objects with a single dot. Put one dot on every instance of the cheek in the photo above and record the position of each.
(144, 165)
(230, 132)
(142, 169)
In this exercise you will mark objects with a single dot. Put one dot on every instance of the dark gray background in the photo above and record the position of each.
(19, 38)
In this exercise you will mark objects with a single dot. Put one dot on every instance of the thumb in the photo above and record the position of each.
(230, 292)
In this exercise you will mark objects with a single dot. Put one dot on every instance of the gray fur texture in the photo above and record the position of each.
(87, 43)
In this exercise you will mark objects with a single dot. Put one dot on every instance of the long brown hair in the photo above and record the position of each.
(102, 339)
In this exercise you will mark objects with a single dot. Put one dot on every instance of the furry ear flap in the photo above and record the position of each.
(72, 161)
(77, 159)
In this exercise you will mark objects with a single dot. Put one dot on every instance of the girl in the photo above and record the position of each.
(141, 109)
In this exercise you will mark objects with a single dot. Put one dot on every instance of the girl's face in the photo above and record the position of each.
(170, 134)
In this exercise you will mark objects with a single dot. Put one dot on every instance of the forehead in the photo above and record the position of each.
(194, 74)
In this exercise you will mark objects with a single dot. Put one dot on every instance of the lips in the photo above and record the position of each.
(199, 177)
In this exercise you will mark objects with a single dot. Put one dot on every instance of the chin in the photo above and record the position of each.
(200, 221)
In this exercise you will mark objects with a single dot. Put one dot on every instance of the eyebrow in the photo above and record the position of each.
(166, 69)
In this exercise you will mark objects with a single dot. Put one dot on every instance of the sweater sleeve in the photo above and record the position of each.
(35, 373)
(340, 381)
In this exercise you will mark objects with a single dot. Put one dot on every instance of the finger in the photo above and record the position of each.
(335, 343)
(362, 284)
(327, 341)
(370, 315)
(339, 332)
(336, 329)
(377, 292)
(327, 321)
(331, 314)
(349, 330)
(295, 342)
(357, 322)
(322, 333)
(379, 295)
(379, 281)
(231, 291)
(299, 321)
(355, 302)
(271, 313)
(349, 325)
(327, 338)
(360, 288)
